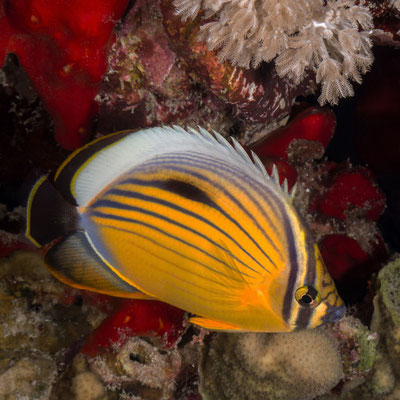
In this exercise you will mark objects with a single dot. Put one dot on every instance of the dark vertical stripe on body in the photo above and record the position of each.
(304, 317)
(311, 268)
(305, 314)
(294, 270)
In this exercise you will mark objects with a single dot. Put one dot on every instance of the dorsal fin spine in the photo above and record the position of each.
(237, 149)
(258, 163)
(275, 174)
(292, 192)
(285, 186)
(126, 152)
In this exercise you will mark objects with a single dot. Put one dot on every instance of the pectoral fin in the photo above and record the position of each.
(213, 325)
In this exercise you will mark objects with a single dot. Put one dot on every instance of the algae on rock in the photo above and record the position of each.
(386, 321)
(36, 326)
(383, 380)
(26, 376)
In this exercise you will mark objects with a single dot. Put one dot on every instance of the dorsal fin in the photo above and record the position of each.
(90, 169)
(274, 177)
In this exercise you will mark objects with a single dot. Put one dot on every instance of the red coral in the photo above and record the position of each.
(341, 254)
(63, 46)
(352, 190)
(285, 171)
(8, 244)
(313, 123)
(137, 317)
(347, 262)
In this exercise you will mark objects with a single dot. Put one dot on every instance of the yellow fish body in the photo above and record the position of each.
(188, 219)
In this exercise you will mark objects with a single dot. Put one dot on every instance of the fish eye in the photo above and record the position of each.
(307, 296)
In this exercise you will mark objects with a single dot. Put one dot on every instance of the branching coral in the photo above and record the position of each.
(297, 34)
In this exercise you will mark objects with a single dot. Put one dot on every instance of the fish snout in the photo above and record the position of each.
(336, 314)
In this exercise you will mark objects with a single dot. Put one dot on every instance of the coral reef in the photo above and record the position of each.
(87, 386)
(254, 366)
(60, 343)
(292, 366)
(260, 97)
(386, 318)
(145, 84)
(381, 381)
(304, 138)
(27, 376)
(297, 35)
(136, 317)
(39, 329)
(139, 368)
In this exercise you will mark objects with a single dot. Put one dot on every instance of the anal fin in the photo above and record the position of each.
(74, 262)
(213, 325)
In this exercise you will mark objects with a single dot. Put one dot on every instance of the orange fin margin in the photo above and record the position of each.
(213, 325)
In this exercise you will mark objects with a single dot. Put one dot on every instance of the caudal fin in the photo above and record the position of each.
(49, 215)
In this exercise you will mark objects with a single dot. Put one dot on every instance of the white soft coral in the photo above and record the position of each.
(331, 38)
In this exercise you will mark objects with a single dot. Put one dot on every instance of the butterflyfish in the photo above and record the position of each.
(186, 218)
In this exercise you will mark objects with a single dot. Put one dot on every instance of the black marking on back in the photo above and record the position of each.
(170, 163)
(51, 216)
(187, 190)
(63, 182)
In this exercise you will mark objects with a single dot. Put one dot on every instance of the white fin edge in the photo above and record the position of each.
(274, 177)
(109, 163)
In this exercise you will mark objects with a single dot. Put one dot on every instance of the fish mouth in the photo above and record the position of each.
(336, 314)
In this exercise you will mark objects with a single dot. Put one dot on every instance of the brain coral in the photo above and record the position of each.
(286, 366)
